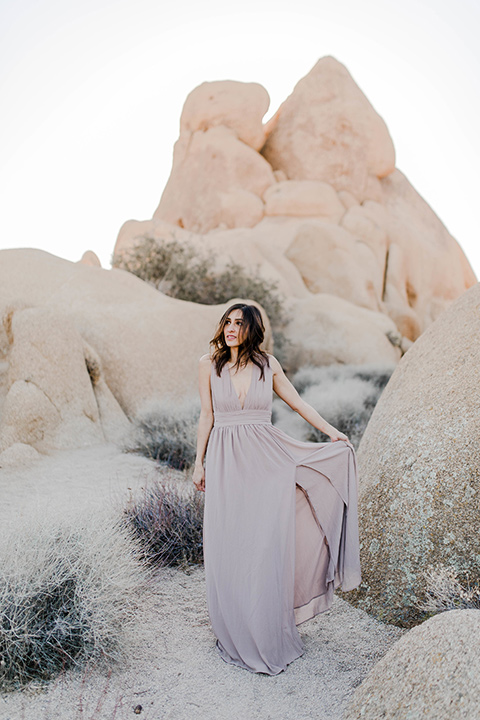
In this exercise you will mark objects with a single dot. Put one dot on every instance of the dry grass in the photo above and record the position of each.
(345, 395)
(166, 431)
(446, 591)
(68, 590)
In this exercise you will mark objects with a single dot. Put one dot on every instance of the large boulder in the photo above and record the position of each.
(326, 330)
(216, 181)
(236, 105)
(50, 398)
(431, 673)
(425, 267)
(82, 349)
(327, 130)
(298, 198)
(332, 260)
(419, 465)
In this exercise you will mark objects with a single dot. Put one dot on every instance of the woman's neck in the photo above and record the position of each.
(234, 358)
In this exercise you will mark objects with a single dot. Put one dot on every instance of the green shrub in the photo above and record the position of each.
(180, 271)
(167, 521)
(67, 592)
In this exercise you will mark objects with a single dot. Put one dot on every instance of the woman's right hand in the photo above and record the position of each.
(199, 477)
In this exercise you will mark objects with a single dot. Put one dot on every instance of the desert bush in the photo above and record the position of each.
(180, 271)
(167, 521)
(67, 594)
(375, 375)
(165, 264)
(446, 591)
(345, 395)
(166, 431)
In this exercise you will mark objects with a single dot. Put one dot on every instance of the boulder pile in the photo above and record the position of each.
(312, 200)
(83, 348)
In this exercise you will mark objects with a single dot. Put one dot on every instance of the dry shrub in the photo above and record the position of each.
(167, 521)
(374, 374)
(166, 431)
(446, 591)
(179, 270)
(68, 591)
(345, 395)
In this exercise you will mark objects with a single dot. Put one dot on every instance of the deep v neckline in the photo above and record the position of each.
(242, 407)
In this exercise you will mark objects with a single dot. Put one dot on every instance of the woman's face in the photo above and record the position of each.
(233, 329)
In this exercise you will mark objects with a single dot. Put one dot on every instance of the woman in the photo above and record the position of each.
(280, 524)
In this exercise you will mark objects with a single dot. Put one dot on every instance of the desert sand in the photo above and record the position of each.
(172, 668)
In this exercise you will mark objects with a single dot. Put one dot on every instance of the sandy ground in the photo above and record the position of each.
(173, 670)
(83, 479)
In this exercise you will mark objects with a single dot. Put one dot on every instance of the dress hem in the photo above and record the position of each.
(231, 661)
(314, 607)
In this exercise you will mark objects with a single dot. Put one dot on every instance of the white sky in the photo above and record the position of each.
(92, 92)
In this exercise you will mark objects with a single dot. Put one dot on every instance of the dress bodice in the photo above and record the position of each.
(225, 398)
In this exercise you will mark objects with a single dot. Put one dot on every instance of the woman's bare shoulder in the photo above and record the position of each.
(274, 364)
(206, 359)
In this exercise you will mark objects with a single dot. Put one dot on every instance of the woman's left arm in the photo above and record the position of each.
(285, 390)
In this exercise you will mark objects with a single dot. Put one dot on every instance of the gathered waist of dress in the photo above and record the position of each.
(243, 417)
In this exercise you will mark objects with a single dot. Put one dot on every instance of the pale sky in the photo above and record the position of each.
(92, 92)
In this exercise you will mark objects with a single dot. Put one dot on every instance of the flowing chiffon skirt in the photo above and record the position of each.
(280, 528)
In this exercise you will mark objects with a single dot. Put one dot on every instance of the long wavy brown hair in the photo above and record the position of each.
(251, 336)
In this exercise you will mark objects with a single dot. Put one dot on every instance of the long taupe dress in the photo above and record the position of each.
(280, 527)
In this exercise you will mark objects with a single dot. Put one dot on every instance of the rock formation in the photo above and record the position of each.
(375, 337)
(314, 200)
(419, 466)
(310, 200)
(431, 673)
(90, 258)
(82, 349)
(327, 130)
